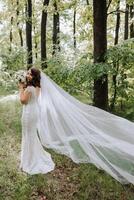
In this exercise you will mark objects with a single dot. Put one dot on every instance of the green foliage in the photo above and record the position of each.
(75, 80)
(7, 83)
(120, 59)
(79, 78)
(13, 60)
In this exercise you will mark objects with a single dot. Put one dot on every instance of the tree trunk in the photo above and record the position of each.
(19, 29)
(56, 29)
(87, 2)
(117, 24)
(11, 34)
(35, 36)
(74, 28)
(126, 22)
(35, 43)
(100, 48)
(43, 35)
(21, 37)
(116, 65)
(29, 33)
(132, 21)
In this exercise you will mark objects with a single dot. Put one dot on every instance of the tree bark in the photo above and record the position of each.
(87, 2)
(43, 35)
(74, 28)
(19, 29)
(126, 22)
(35, 36)
(35, 42)
(116, 65)
(11, 34)
(100, 48)
(29, 33)
(117, 25)
(56, 29)
(132, 22)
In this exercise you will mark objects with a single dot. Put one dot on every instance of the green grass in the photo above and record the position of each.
(69, 181)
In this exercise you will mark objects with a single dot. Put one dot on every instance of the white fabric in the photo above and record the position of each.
(34, 159)
(85, 133)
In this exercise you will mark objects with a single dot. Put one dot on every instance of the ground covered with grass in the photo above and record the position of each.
(69, 181)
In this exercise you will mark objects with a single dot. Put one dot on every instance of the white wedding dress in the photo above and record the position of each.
(34, 159)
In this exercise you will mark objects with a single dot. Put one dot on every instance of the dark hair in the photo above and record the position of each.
(36, 78)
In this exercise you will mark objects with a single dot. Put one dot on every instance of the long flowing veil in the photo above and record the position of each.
(85, 133)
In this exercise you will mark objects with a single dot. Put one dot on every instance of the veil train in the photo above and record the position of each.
(85, 133)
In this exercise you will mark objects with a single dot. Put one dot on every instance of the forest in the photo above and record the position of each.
(86, 47)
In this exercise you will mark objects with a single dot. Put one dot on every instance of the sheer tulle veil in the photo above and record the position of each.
(85, 133)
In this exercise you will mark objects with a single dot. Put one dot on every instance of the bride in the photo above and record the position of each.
(54, 119)
(34, 159)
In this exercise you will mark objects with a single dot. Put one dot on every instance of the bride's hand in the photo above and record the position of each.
(21, 85)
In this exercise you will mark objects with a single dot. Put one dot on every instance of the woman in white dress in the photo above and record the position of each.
(84, 133)
(34, 159)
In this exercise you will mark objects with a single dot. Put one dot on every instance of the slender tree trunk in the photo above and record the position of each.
(56, 29)
(19, 29)
(100, 48)
(87, 2)
(29, 33)
(35, 33)
(116, 65)
(43, 35)
(11, 34)
(117, 25)
(74, 28)
(132, 21)
(126, 22)
(21, 36)
(35, 43)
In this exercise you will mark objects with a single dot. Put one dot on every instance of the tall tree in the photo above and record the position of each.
(100, 48)
(117, 23)
(35, 31)
(29, 32)
(116, 65)
(11, 34)
(87, 2)
(74, 27)
(43, 34)
(126, 22)
(56, 28)
(18, 24)
(35, 42)
(132, 21)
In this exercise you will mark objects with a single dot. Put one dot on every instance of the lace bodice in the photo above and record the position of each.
(33, 97)
(32, 105)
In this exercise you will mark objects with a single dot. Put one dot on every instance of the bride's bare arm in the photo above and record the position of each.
(24, 94)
